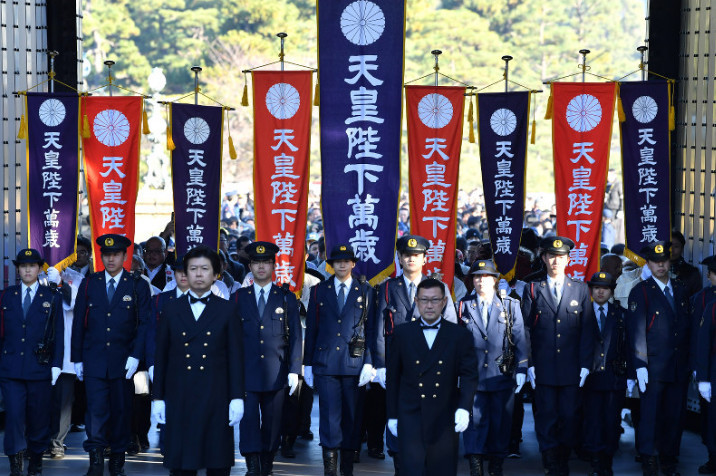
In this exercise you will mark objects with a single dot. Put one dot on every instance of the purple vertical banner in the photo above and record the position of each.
(360, 60)
(503, 124)
(196, 175)
(645, 165)
(52, 175)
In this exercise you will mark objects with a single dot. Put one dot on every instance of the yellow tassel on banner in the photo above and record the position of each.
(245, 97)
(471, 136)
(548, 112)
(470, 115)
(534, 132)
(145, 122)
(170, 141)
(22, 132)
(85, 127)
(316, 95)
(620, 106)
(672, 118)
(232, 149)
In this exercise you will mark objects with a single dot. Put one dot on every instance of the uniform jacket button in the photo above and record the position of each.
(188, 367)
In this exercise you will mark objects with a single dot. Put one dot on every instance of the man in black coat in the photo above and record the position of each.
(560, 320)
(428, 358)
(658, 332)
(603, 395)
(198, 373)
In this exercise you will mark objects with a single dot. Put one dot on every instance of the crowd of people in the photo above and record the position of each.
(401, 366)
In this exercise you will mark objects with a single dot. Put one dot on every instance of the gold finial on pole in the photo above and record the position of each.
(584, 54)
(196, 70)
(436, 54)
(109, 64)
(281, 54)
(642, 50)
(507, 59)
(51, 74)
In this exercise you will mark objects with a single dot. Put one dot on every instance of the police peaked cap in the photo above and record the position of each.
(484, 267)
(412, 244)
(111, 242)
(657, 251)
(28, 255)
(602, 278)
(556, 245)
(340, 252)
(261, 250)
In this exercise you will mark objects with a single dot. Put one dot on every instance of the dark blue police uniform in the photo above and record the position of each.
(705, 359)
(329, 332)
(25, 382)
(104, 335)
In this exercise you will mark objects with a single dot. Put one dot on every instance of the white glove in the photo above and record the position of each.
(236, 411)
(366, 375)
(292, 383)
(159, 411)
(630, 386)
(532, 377)
(583, 376)
(393, 426)
(520, 381)
(462, 419)
(131, 366)
(645, 273)
(53, 275)
(308, 375)
(79, 370)
(56, 371)
(380, 374)
(705, 390)
(151, 373)
(503, 285)
(642, 376)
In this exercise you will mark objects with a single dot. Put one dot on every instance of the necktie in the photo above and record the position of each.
(602, 318)
(262, 303)
(434, 327)
(193, 300)
(483, 312)
(341, 297)
(26, 303)
(670, 298)
(110, 290)
(557, 290)
(412, 293)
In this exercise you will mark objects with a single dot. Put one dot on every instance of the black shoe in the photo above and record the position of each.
(34, 468)
(96, 460)
(376, 453)
(307, 435)
(476, 468)
(116, 464)
(513, 452)
(77, 428)
(330, 462)
(287, 446)
(253, 464)
(708, 467)
(134, 447)
(650, 465)
(356, 456)
(347, 460)
(16, 464)
(494, 466)
(266, 464)
(550, 461)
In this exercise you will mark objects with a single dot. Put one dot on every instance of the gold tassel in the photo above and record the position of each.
(85, 127)
(620, 106)
(471, 121)
(672, 111)
(470, 115)
(550, 105)
(22, 132)
(170, 141)
(471, 136)
(232, 149)
(534, 132)
(316, 95)
(145, 122)
(245, 97)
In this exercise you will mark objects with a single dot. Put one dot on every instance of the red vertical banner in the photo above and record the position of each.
(111, 158)
(581, 134)
(282, 145)
(435, 117)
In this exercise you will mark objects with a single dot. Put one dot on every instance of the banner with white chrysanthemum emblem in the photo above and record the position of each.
(582, 115)
(282, 148)
(196, 174)
(645, 165)
(53, 175)
(435, 118)
(110, 141)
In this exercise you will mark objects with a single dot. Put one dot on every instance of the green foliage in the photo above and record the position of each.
(227, 36)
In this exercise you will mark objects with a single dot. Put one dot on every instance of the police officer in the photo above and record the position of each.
(705, 359)
(30, 362)
(487, 317)
(272, 357)
(338, 351)
(603, 395)
(658, 332)
(108, 341)
(560, 320)
(396, 306)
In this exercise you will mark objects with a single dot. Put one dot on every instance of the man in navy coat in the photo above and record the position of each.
(559, 317)
(29, 314)
(108, 340)
(338, 351)
(603, 395)
(487, 316)
(658, 333)
(705, 359)
(395, 306)
(272, 357)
